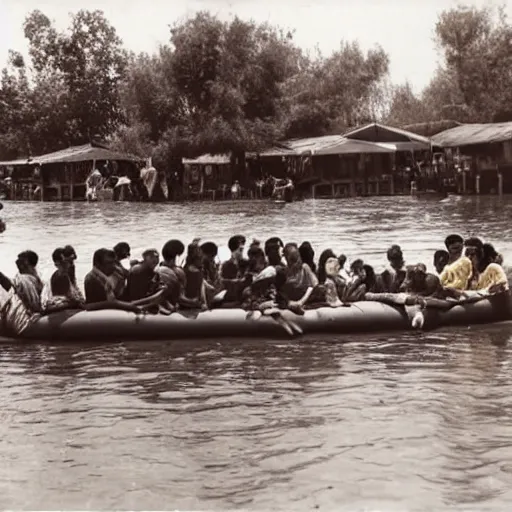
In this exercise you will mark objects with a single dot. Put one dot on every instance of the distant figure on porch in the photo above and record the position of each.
(93, 183)
(236, 190)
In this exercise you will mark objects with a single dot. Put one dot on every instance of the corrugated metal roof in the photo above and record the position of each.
(375, 132)
(84, 153)
(469, 134)
(208, 160)
(349, 146)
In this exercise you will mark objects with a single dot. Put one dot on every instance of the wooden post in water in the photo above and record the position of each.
(477, 184)
(500, 184)
(464, 178)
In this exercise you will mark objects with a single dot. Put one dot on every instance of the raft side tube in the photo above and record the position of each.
(361, 317)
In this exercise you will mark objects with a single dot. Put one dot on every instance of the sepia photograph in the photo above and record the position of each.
(256, 256)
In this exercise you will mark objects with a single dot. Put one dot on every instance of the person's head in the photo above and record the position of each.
(150, 258)
(27, 262)
(395, 257)
(342, 260)
(257, 261)
(236, 245)
(70, 253)
(332, 267)
(274, 250)
(209, 250)
(172, 249)
(358, 270)
(105, 261)
(59, 259)
(454, 244)
(122, 251)
(290, 247)
(292, 255)
(324, 256)
(369, 276)
(194, 255)
(307, 253)
(474, 251)
(441, 259)
(490, 253)
(415, 277)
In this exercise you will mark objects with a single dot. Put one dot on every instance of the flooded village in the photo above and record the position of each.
(371, 160)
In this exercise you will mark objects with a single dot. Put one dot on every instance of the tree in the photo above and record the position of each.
(405, 107)
(90, 61)
(336, 91)
(476, 47)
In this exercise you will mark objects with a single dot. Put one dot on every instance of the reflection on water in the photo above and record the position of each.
(392, 422)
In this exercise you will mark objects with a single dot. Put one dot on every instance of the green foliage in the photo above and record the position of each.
(70, 94)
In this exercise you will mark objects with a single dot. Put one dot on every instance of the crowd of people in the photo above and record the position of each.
(271, 277)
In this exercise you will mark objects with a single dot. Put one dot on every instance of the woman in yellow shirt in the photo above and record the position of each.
(487, 276)
(457, 273)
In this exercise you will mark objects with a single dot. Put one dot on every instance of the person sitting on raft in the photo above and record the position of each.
(232, 274)
(307, 255)
(299, 274)
(441, 258)
(70, 255)
(120, 276)
(391, 279)
(487, 277)
(458, 271)
(332, 269)
(62, 291)
(319, 295)
(22, 306)
(274, 251)
(142, 279)
(99, 293)
(195, 290)
(363, 281)
(265, 296)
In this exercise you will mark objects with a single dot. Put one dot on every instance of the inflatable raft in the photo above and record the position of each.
(361, 317)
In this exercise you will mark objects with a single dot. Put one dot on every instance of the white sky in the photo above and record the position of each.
(404, 28)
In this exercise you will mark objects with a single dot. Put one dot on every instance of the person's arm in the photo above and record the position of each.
(113, 304)
(5, 282)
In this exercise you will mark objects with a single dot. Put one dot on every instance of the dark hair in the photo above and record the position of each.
(272, 242)
(58, 255)
(172, 248)
(474, 242)
(328, 253)
(342, 259)
(453, 239)
(371, 279)
(394, 252)
(489, 255)
(101, 255)
(235, 242)
(441, 255)
(255, 252)
(357, 263)
(194, 255)
(30, 256)
(307, 255)
(122, 248)
(150, 252)
(69, 251)
(209, 249)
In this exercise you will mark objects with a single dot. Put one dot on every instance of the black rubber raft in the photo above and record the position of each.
(360, 317)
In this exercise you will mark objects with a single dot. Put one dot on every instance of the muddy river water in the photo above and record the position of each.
(406, 421)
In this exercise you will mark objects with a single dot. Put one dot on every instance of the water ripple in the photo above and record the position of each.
(407, 421)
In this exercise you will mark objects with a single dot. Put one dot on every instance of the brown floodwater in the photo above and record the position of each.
(407, 421)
